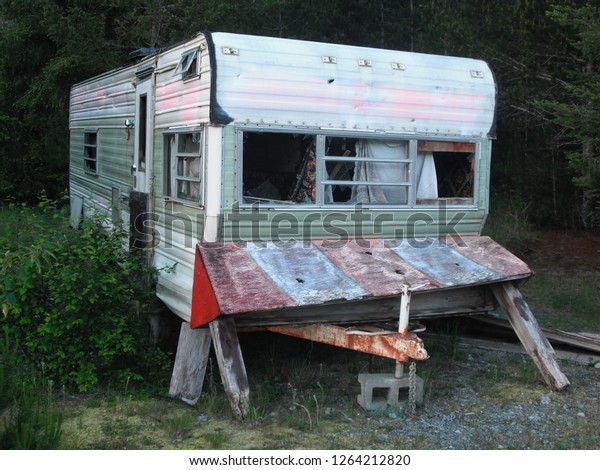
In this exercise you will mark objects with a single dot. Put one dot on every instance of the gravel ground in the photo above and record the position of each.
(497, 401)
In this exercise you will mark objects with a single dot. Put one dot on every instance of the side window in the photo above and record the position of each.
(286, 168)
(90, 151)
(366, 171)
(189, 65)
(183, 166)
(445, 171)
(279, 168)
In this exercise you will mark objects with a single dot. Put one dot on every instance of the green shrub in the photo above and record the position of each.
(68, 297)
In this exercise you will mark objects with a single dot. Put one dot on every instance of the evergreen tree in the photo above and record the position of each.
(576, 109)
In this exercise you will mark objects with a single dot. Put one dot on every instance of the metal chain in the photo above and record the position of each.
(412, 388)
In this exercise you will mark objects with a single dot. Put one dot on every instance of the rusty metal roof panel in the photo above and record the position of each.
(233, 279)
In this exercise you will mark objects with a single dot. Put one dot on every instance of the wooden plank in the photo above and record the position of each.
(486, 252)
(261, 277)
(238, 281)
(305, 274)
(231, 365)
(375, 267)
(490, 345)
(431, 304)
(438, 146)
(445, 265)
(190, 363)
(527, 329)
(579, 340)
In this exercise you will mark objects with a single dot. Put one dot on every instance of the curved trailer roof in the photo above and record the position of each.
(285, 82)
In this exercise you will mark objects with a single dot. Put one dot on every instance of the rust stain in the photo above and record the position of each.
(394, 345)
(488, 253)
(262, 279)
(375, 267)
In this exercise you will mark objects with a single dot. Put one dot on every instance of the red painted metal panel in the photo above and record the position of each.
(205, 307)
(238, 282)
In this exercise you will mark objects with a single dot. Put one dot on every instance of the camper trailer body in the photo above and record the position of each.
(208, 141)
(301, 186)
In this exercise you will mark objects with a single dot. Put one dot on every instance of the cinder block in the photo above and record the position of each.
(370, 382)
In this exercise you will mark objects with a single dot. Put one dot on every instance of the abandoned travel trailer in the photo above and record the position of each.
(311, 189)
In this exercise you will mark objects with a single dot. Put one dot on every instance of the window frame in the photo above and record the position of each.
(87, 146)
(170, 180)
(184, 66)
(321, 136)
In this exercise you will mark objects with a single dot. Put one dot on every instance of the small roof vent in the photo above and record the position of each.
(140, 53)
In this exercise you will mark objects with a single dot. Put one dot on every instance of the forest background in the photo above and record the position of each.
(544, 54)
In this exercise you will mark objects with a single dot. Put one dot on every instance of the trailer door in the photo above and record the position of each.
(144, 123)
(141, 170)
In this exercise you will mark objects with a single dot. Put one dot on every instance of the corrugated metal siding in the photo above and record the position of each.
(106, 100)
(180, 102)
(249, 225)
(114, 162)
(178, 228)
(285, 82)
(229, 167)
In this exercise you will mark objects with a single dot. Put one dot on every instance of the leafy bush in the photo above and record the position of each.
(69, 298)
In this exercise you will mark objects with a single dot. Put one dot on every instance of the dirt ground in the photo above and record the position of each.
(567, 249)
(304, 395)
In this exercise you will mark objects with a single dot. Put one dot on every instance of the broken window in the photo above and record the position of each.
(326, 170)
(454, 167)
(279, 168)
(90, 151)
(183, 166)
(188, 65)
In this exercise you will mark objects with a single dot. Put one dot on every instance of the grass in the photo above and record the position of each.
(303, 396)
(565, 301)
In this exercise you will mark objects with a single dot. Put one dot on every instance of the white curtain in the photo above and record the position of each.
(393, 172)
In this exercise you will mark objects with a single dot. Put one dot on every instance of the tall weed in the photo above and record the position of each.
(31, 419)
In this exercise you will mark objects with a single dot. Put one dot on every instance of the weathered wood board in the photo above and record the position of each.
(190, 363)
(526, 326)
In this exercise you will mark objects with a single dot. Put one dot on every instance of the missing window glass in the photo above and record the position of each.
(279, 168)
(455, 172)
(367, 171)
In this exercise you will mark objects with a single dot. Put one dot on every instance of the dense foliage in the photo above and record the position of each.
(543, 53)
(71, 300)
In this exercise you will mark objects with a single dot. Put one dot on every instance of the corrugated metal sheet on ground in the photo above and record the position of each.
(233, 279)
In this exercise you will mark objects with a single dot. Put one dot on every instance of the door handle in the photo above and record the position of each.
(133, 169)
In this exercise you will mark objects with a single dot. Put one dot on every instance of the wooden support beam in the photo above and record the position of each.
(527, 329)
(190, 363)
(231, 364)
